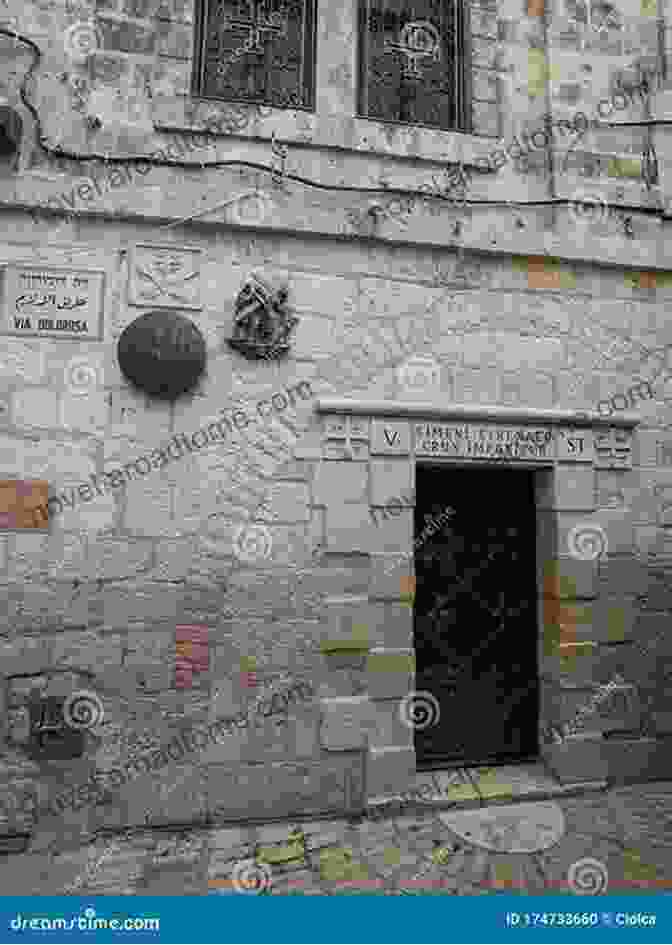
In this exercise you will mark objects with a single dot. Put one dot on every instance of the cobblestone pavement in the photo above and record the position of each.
(626, 832)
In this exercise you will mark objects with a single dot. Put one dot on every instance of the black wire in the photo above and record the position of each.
(140, 159)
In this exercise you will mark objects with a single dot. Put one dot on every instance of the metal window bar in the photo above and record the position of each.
(414, 62)
(256, 51)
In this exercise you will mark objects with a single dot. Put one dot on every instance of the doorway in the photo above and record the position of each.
(475, 615)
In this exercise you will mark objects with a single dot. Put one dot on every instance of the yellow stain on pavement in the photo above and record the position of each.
(503, 876)
(635, 871)
(294, 850)
(441, 856)
(336, 864)
(490, 784)
(392, 856)
(461, 789)
(617, 624)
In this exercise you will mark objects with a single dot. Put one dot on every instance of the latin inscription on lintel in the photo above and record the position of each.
(486, 441)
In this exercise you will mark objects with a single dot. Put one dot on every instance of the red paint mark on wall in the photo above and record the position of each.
(20, 500)
(191, 653)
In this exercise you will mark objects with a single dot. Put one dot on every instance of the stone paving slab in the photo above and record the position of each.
(619, 840)
(516, 828)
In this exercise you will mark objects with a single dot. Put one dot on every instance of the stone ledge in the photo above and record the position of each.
(376, 805)
(187, 115)
(469, 412)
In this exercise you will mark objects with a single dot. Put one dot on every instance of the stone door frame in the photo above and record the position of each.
(369, 453)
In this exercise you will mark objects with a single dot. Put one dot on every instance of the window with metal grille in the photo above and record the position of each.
(259, 51)
(414, 62)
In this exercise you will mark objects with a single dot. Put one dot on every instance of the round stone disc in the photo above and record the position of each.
(511, 828)
(162, 353)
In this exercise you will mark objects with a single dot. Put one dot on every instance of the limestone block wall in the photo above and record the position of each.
(101, 594)
(519, 306)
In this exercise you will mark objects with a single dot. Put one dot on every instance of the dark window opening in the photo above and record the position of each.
(414, 62)
(256, 51)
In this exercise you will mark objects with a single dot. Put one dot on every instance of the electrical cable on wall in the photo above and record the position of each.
(186, 165)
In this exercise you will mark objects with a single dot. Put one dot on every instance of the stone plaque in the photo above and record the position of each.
(484, 441)
(53, 303)
(167, 276)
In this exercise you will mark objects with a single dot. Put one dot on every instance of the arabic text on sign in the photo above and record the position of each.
(50, 301)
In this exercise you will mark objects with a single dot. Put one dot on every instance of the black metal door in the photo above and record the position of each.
(475, 615)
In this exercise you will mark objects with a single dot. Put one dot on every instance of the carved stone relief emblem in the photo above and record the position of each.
(262, 321)
(166, 276)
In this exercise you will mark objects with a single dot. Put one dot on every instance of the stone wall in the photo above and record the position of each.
(234, 536)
